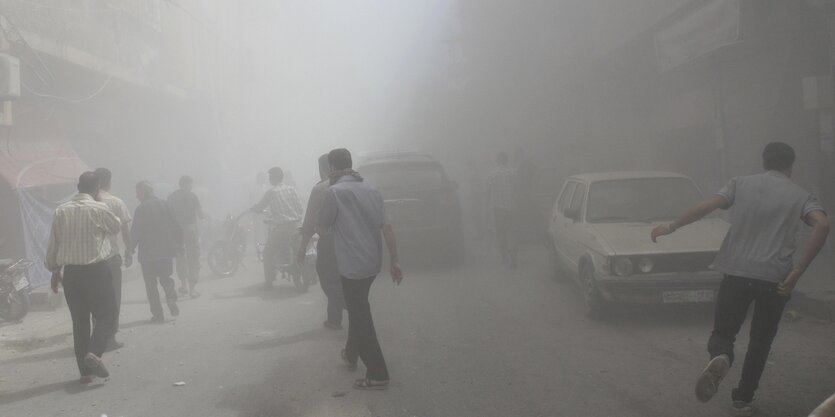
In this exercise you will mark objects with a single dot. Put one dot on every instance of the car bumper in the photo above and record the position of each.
(675, 288)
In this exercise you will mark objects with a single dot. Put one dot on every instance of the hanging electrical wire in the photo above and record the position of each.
(68, 99)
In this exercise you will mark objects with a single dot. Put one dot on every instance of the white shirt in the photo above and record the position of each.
(120, 209)
(79, 233)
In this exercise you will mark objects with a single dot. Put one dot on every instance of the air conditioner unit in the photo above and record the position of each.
(9, 77)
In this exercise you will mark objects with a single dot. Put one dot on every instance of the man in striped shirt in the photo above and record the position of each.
(285, 213)
(79, 245)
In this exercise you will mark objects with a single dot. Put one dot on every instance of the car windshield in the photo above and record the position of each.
(410, 175)
(640, 200)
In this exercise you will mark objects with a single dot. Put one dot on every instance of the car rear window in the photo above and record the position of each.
(640, 200)
(408, 175)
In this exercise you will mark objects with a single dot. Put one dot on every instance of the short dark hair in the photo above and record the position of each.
(145, 186)
(185, 179)
(105, 176)
(324, 165)
(277, 173)
(340, 159)
(778, 156)
(89, 183)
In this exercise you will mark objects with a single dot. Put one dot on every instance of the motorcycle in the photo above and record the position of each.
(14, 288)
(227, 255)
(302, 276)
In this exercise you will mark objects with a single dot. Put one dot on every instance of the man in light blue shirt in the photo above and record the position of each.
(757, 258)
(354, 212)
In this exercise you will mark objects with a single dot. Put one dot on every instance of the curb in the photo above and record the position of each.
(818, 307)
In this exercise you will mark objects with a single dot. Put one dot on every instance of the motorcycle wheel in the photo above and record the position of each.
(219, 262)
(15, 305)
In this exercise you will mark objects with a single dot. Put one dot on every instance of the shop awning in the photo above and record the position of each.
(32, 163)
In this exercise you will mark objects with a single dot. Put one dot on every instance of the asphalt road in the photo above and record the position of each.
(478, 340)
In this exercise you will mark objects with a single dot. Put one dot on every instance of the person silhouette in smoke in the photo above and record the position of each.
(157, 234)
(284, 213)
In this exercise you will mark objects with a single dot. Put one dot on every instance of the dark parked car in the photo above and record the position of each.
(420, 199)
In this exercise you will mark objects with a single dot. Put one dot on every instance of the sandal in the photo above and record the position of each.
(352, 365)
(368, 384)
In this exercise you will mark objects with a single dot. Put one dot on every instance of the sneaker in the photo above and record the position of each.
(708, 383)
(172, 307)
(743, 409)
(182, 290)
(158, 320)
(86, 379)
(113, 344)
(96, 365)
(332, 326)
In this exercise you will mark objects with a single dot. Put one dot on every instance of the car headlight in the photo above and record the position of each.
(645, 265)
(623, 267)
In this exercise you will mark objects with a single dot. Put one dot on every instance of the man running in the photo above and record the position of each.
(757, 260)
(187, 210)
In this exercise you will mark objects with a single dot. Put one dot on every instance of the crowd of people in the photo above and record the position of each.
(349, 217)
(85, 258)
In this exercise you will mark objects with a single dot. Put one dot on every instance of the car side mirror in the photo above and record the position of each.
(573, 214)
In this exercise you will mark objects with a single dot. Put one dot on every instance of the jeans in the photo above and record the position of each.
(735, 296)
(362, 338)
(89, 293)
(115, 265)
(159, 270)
(188, 263)
(329, 279)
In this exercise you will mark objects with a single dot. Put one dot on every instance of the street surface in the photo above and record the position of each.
(478, 340)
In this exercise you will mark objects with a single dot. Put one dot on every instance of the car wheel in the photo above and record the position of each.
(596, 306)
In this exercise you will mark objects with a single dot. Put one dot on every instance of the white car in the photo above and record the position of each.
(599, 232)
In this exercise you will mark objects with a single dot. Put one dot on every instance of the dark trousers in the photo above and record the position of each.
(159, 270)
(505, 234)
(115, 265)
(329, 279)
(89, 293)
(188, 262)
(362, 338)
(735, 296)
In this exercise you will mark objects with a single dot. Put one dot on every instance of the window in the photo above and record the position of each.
(565, 197)
(640, 200)
(579, 195)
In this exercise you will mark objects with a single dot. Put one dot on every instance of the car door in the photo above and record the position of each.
(559, 223)
(576, 232)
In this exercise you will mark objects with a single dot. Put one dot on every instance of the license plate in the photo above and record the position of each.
(21, 284)
(692, 296)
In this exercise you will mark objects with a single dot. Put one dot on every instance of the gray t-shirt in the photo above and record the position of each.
(354, 212)
(768, 209)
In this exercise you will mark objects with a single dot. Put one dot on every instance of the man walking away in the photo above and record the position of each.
(158, 236)
(285, 212)
(187, 211)
(501, 201)
(78, 243)
(325, 257)
(114, 261)
(757, 260)
(354, 212)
